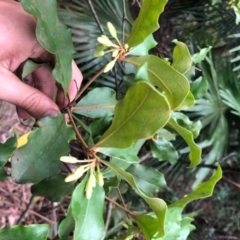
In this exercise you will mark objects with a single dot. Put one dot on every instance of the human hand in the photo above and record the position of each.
(41, 97)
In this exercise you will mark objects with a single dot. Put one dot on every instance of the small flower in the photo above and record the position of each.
(99, 178)
(109, 66)
(69, 159)
(104, 40)
(112, 30)
(71, 177)
(115, 53)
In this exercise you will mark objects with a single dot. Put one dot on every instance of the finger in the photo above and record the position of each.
(20, 94)
(73, 88)
(44, 82)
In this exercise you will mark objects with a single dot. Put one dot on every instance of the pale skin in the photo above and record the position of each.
(18, 43)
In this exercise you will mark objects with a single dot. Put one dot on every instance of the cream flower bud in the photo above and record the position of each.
(109, 66)
(112, 30)
(99, 178)
(69, 159)
(105, 41)
(88, 189)
(115, 53)
(71, 177)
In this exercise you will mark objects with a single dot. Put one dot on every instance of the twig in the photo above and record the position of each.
(124, 19)
(232, 182)
(90, 82)
(42, 217)
(79, 136)
(109, 214)
(120, 206)
(89, 2)
(122, 200)
(26, 210)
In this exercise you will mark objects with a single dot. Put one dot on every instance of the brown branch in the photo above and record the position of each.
(79, 136)
(90, 82)
(120, 206)
(89, 2)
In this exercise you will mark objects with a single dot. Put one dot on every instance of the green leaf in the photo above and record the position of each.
(126, 154)
(3, 174)
(195, 150)
(163, 150)
(188, 102)
(98, 103)
(176, 226)
(185, 122)
(165, 78)
(149, 180)
(39, 159)
(146, 22)
(148, 224)
(182, 60)
(143, 108)
(7, 149)
(199, 87)
(54, 36)
(67, 225)
(144, 47)
(19, 232)
(88, 214)
(203, 190)
(30, 66)
(199, 57)
(54, 189)
(158, 205)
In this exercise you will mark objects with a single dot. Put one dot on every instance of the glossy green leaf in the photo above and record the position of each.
(176, 226)
(188, 102)
(40, 158)
(54, 36)
(139, 115)
(200, 56)
(165, 78)
(184, 121)
(54, 189)
(163, 150)
(67, 225)
(7, 149)
(98, 103)
(144, 47)
(88, 214)
(19, 232)
(203, 190)
(182, 60)
(146, 22)
(195, 150)
(158, 205)
(149, 180)
(135, 148)
(126, 154)
(199, 87)
(148, 224)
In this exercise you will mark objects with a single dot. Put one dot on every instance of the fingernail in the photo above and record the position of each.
(52, 113)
